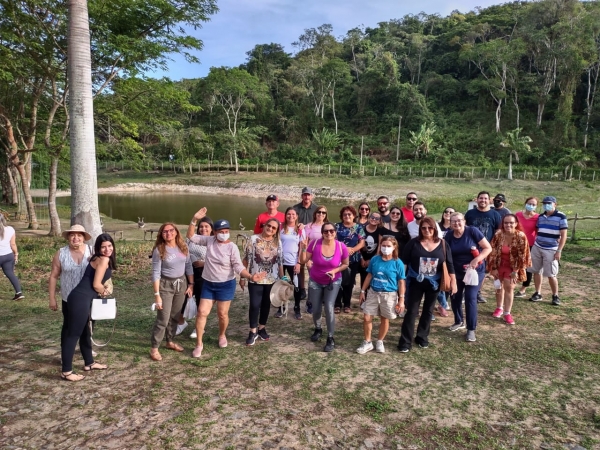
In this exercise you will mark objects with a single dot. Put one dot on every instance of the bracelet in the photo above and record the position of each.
(401, 295)
(363, 292)
(157, 294)
(193, 223)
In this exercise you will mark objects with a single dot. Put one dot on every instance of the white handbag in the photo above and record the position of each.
(104, 309)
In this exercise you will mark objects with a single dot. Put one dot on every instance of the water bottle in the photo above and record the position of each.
(475, 253)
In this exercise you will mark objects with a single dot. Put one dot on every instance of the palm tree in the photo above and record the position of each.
(572, 157)
(84, 186)
(515, 144)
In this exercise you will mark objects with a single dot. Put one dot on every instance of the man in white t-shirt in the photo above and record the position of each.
(419, 212)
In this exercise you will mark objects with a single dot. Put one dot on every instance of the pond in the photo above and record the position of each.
(178, 207)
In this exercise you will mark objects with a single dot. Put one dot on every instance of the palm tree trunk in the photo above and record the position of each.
(510, 176)
(84, 184)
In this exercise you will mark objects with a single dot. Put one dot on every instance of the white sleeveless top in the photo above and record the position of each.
(5, 249)
(71, 273)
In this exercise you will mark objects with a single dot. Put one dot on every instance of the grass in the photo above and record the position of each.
(516, 387)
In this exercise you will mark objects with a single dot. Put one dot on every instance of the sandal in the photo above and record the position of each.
(347, 310)
(95, 366)
(154, 355)
(70, 376)
(174, 346)
(337, 310)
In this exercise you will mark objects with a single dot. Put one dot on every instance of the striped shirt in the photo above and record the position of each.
(549, 227)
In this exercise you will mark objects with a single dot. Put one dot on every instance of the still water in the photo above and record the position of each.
(159, 207)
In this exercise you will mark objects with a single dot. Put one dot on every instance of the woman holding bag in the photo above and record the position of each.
(291, 234)
(507, 262)
(424, 257)
(79, 302)
(469, 248)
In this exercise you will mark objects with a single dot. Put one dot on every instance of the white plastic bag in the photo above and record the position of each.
(190, 308)
(471, 278)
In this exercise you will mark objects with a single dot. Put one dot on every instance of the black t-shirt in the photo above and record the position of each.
(401, 236)
(371, 243)
(422, 261)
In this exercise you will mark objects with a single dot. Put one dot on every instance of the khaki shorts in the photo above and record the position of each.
(542, 261)
(381, 304)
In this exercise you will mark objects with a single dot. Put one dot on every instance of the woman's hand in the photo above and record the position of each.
(304, 244)
(201, 213)
(453, 287)
(514, 277)
(361, 298)
(258, 277)
(494, 273)
(53, 306)
(297, 269)
(242, 283)
(400, 307)
(364, 263)
(301, 227)
(198, 264)
(158, 302)
(331, 273)
(475, 263)
(309, 264)
(190, 290)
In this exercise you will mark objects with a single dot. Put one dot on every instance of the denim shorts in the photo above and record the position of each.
(220, 291)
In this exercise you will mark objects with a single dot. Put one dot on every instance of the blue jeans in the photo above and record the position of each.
(324, 293)
(470, 295)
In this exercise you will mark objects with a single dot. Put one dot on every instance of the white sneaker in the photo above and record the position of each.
(180, 328)
(194, 335)
(364, 347)
(379, 348)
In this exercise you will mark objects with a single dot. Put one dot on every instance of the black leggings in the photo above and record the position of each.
(415, 294)
(297, 293)
(76, 315)
(345, 293)
(260, 303)
(7, 262)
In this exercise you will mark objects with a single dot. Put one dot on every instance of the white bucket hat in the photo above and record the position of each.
(77, 229)
(281, 292)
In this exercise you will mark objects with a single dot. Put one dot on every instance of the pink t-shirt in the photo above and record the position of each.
(321, 265)
(528, 226)
(313, 232)
(222, 261)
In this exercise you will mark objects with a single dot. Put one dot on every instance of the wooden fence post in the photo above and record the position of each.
(329, 166)
(485, 174)
(574, 227)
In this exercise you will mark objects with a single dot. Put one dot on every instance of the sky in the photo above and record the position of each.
(241, 24)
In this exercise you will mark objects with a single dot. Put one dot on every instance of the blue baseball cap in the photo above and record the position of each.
(221, 224)
(549, 199)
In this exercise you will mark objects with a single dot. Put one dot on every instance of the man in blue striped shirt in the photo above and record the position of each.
(547, 249)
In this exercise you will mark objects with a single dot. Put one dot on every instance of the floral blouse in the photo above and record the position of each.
(351, 237)
(520, 257)
(263, 256)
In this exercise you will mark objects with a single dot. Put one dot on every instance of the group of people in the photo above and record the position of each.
(403, 258)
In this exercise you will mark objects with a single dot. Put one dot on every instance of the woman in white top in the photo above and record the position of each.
(9, 256)
(291, 235)
(221, 264)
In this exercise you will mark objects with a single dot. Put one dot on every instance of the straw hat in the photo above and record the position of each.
(77, 229)
(281, 292)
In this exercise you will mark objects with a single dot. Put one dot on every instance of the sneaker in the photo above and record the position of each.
(379, 348)
(519, 294)
(470, 337)
(278, 314)
(222, 342)
(497, 313)
(18, 296)
(555, 300)
(252, 337)
(180, 328)
(536, 297)
(262, 333)
(403, 349)
(442, 311)
(480, 299)
(317, 334)
(197, 352)
(457, 326)
(308, 308)
(424, 344)
(303, 294)
(508, 319)
(432, 318)
(297, 314)
(330, 345)
(364, 348)
(194, 335)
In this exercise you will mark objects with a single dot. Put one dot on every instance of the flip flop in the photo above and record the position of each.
(69, 377)
(95, 366)
(174, 346)
(347, 310)
(337, 310)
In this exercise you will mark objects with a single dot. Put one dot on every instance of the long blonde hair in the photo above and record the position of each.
(2, 225)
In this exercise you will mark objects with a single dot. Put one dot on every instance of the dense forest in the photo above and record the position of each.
(514, 83)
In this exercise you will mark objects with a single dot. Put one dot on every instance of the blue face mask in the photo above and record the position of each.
(530, 207)
(548, 207)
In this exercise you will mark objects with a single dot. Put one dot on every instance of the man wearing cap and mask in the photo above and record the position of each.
(499, 205)
(547, 248)
(271, 213)
(306, 208)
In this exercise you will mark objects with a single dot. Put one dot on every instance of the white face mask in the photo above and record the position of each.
(222, 237)
(387, 250)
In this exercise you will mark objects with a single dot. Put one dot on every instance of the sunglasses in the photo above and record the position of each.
(427, 228)
(395, 213)
(365, 209)
(411, 199)
(271, 227)
(330, 231)
(321, 212)
(375, 218)
(510, 223)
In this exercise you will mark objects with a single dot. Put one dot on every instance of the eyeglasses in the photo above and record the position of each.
(377, 219)
(271, 227)
(411, 199)
(454, 222)
(427, 228)
(329, 231)
(171, 230)
(321, 212)
(365, 209)
(347, 215)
